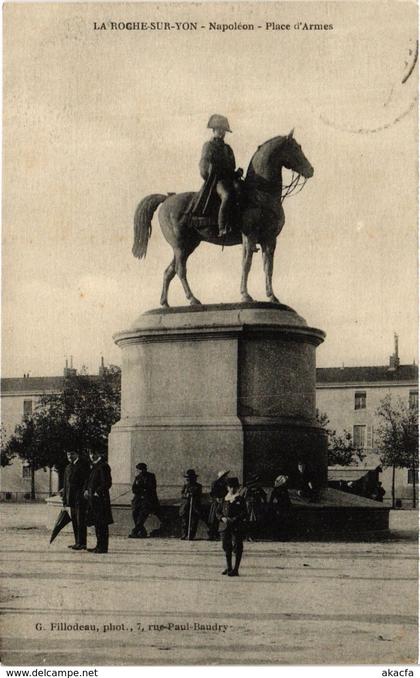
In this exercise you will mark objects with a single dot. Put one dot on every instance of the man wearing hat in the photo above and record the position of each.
(189, 510)
(76, 474)
(255, 501)
(280, 508)
(217, 167)
(99, 503)
(232, 516)
(217, 493)
(144, 501)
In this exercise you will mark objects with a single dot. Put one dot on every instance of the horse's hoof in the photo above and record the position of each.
(246, 297)
(195, 302)
(273, 299)
(164, 304)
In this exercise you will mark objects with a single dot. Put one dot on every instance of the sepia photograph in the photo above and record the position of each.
(209, 376)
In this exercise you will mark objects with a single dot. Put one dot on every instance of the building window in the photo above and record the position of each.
(359, 436)
(413, 399)
(26, 471)
(27, 408)
(360, 400)
(410, 476)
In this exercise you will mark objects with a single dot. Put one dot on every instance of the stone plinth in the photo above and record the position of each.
(215, 387)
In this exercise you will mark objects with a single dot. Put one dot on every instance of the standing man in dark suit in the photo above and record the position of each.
(255, 500)
(145, 500)
(280, 508)
(76, 474)
(190, 505)
(99, 502)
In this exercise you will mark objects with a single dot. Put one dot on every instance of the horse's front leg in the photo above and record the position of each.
(268, 250)
(248, 249)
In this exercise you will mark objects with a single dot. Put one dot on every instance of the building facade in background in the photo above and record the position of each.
(19, 397)
(350, 396)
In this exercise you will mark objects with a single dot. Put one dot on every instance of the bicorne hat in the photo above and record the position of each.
(219, 122)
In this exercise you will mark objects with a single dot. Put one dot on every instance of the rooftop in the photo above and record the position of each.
(34, 384)
(324, 375)
(37, 384)
(371, 373)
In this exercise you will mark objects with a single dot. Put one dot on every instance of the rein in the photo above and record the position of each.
(271, 187)
(290, 189)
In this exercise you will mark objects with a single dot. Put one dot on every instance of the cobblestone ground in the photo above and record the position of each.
(162, 601)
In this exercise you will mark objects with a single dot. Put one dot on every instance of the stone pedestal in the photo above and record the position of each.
(216, 387)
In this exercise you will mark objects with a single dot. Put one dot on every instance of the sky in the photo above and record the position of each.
(96, 120)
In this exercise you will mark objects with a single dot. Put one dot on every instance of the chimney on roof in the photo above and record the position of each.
(102, 368)
(69, 371)
(394, 359)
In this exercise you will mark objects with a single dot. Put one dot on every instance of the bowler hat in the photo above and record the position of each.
(99, 452)
(141, 465)
(190, 473)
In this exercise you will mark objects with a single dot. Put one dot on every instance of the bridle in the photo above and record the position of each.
(294, 187)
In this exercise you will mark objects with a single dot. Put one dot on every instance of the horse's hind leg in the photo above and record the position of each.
(167, 277)
(181, 256)
(268, 249)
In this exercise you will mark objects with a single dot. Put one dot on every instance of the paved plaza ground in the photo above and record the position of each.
(164, 601)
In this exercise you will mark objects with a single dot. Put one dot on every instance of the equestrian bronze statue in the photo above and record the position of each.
(256, 217)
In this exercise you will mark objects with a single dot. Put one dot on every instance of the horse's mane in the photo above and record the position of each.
(262, 146)
(279, 136)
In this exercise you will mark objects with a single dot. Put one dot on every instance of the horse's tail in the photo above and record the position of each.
(143, 222)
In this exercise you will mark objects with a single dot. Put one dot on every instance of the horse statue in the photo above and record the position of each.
(261, 216)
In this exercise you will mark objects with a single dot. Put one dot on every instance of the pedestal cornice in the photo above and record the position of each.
(201, 323)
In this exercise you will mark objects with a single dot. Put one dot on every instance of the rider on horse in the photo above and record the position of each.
(217, 167)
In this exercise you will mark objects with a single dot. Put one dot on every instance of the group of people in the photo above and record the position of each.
(258, 508)
(236, 513)
(86, 493)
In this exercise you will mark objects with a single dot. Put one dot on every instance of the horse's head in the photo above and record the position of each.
(293, 157)
(281, 151)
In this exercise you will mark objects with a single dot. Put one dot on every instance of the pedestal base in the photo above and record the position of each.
(218, 387)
